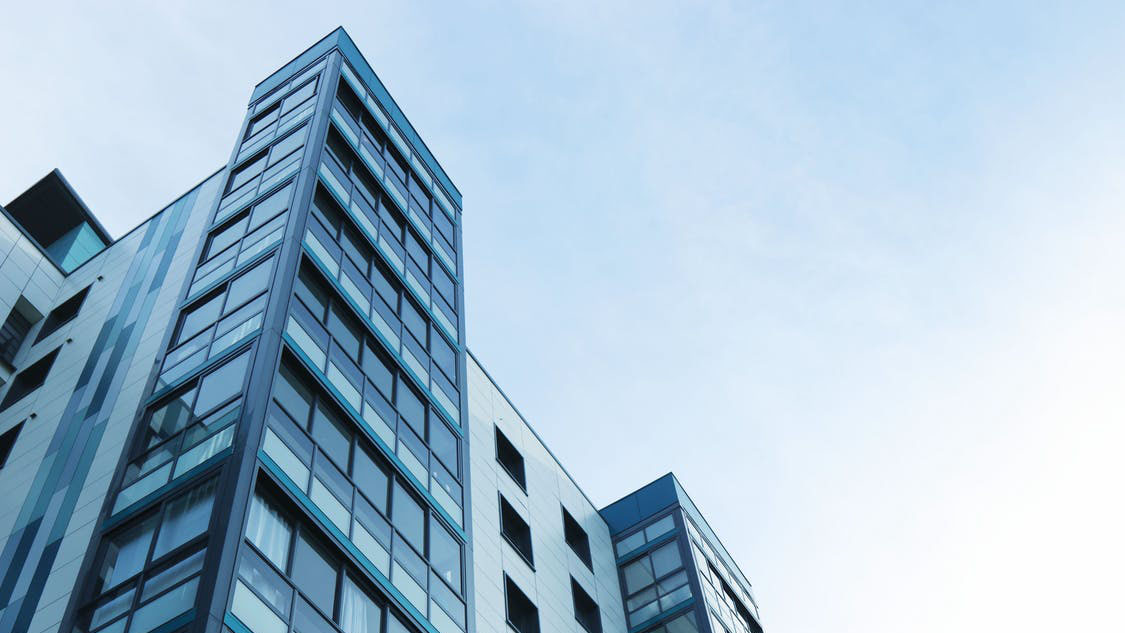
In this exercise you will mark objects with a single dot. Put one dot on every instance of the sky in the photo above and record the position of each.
(852, 270)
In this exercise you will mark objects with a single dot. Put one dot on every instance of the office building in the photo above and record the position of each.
(256, 411)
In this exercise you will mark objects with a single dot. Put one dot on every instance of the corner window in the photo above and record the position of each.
(522, 614)
(585, 608)
(577, 538)
(511, 459)
(63, 314)
(515, 530)
(29, 379)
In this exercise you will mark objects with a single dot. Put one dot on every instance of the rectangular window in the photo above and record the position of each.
(585, 608)
(63, 314)
(515, 530)
(7, 442)
(576, 538)
(511, 459)
(29, 379)
(522, 614)
(14, 330)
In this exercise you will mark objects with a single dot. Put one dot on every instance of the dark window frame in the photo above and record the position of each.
(21, 385)
(516, 531)
(62, 314)
(523, 602)
(586, 609)
(577, 538)
(518, 472)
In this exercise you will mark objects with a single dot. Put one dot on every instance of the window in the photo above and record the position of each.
(15, 329)
(29, 379)
(445, 554)
(510, 458)
(655, 583)
(585, 608)
(62, 314)
(315, 573)
(576, 538)
(522, 614)
(515, 530)
(151, 584)
(683, 624)
(183, 431)
(648, 534)
(7, 442)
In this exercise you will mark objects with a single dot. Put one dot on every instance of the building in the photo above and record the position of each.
(256, 411)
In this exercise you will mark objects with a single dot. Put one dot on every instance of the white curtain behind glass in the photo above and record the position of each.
(270, 532)
(358, 613)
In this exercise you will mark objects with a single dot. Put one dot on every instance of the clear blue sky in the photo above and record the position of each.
(853, 270)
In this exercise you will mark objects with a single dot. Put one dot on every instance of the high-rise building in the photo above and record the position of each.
(256, 411)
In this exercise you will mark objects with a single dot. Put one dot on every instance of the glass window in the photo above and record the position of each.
(413, 320)
(666, 559)
(315, 574)
(271, 206)
(385, 286)
(263, 120)
(249, 285)
(345, 331)
(294, 395)
(445, 554)
(444, 356)
(409, 517)
(169, 419)
(371, 479)
(247, 172)
(378, 369)
(186, 518)
(222, 384)
(225, 236)
(443, 443)
(125, 554)
(638, 575)
(358, 612)
(332, 435)
(311, 291)
(270, 531)
(411, 408)
(199, 318)
(289, 144)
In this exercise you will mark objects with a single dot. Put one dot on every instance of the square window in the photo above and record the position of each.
(62, 314)
(585, 608)
(29, 379)
(522, 614)
(577, 538)
(515, 530)
(510, 458)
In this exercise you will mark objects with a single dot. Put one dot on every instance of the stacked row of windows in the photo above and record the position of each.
(217, 322)
(183, 430)
(384, 161)
(343, 473)
(386, 229)
(289, 579)
(420, 175)
(249, 233)
(655, 583)
(147, 572)
(522, 614)
(275, 116)
(732, 609)
(379, 295)
(369, 380)
(271, 151)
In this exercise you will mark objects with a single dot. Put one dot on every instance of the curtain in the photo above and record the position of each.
(358, 613)
(270, 532)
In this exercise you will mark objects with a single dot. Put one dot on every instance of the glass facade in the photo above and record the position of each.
(298, 459)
